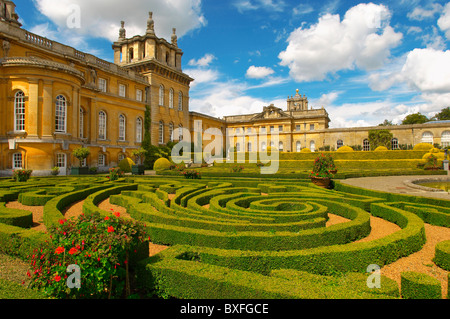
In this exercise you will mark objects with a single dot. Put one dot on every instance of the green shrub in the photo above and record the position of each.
(423, 147)
(161, 164)
(381, 149)
(416, 285)
(15, 217)
(126, 164)
(345, 148)
(442, 255)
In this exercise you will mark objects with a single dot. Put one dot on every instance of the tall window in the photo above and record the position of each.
(60, 114)
(280, 146)
(19, 111)
(161, 95)
(180, 132)
(280, 128)
(263, 146)
(339, 144)
(139, 95)
(298, 146)
(120, 157)
(171, 132)
(394, 144)
(122, 128)
(161, 132)
(102, 85)
(312, 146)
(238, 147)
(81, 123)
(445, 139)
(139, 130)
(171, 98)
(180, 101)
(102, 125)
(428, 137)
(366, 145)
(249, 146)
(17, 161)
(101, 160)
(311, 127)
(122, 90)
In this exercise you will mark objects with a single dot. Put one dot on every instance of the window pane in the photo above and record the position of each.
(102, 125)
(122, 128)
(17, 161)
(19, 111)
(60, 114)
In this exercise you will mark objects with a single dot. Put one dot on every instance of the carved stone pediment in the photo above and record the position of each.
(271, 112)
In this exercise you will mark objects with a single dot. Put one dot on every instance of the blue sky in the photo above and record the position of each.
(363, 61)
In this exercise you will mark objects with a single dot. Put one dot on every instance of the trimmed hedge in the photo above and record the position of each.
(15, 217)
(416, 285)
(442, 255)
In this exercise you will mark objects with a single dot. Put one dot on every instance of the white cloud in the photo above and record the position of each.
(362, 39)
(202, 76)
(269, 5)
(102, 18)
(204, 61)
(259, 72)
(420, 13)
(444, 21)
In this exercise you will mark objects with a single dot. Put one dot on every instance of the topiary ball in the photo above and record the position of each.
(423, 147)
(345, 148)
(381, 149)
(126, 164)
(305, 150)
(161, 164)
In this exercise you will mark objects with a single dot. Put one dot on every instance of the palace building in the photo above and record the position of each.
(54, 99)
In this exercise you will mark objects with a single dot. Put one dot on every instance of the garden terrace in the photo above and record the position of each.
(243, 237)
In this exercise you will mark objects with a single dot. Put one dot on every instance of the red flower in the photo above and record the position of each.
(117, 214)
(73, 250)
(62, 221)
(57, 278)
(110, 229)
(59, 250)
(106, 218)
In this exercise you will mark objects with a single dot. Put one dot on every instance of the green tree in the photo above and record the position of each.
(416, 118)
(380, 138)
(147, 140)
(386, 123)
(443, 115)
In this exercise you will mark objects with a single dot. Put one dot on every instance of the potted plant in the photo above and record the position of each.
(139, 167)
(55, 171)
(81, 154)
(21, 175)
(115, 173)
(321, 173)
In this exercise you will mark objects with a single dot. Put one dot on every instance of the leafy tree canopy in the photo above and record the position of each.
(416, 118)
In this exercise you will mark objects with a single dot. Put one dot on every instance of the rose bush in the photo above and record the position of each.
(100, 246)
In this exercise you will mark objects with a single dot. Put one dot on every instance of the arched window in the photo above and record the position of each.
(298, 146)
(139, 130)
(428, 137)
(280, 146)
(102, 125)
(180, 101)
(366, 145)
(131, 54)
(394, 144)
(171, 132)
(249, 146)
(161, 95)
(122, 127)
(180, 132)
(171, 98)
(17, 162)
(81, 122)
(445, 139)
(312, 145)
(161, 132)
(339, 144)
(101, 160)
(263, 146)
(120, 157)
(60, 114)
(19, 111)
(238, 147)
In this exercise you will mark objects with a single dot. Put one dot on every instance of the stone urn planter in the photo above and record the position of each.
(323, 182)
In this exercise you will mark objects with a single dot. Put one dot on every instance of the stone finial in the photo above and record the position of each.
(174, 37)
(150, 23)
(122, 31)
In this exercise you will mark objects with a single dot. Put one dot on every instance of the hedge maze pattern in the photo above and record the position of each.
(242, 238)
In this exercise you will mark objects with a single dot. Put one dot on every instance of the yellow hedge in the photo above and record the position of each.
(345, 148)
(161, 164)
(126, 164)
(423, 147)
(381, 149)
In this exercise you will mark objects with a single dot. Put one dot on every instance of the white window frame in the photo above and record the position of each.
(102, 125)
(139, 130)
(122, 90)
(339, 144)
(180, 133)
(19, 112)
(445, 139)
(61, 114)
(101, 160)
(61, 160)
(81, 122)
(171, 98)
(298, 146)
(171, 129)
(180, 101)
(103, 85)
(161, 95)
(161, 132)
(139, 95)
(394, 144)
(366, 145)
(122, 128)
(17, 158)
(428, 137)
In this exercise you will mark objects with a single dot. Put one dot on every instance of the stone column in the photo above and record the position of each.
(47, 109)
(32, 112)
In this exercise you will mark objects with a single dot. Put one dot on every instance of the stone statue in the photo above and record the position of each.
(6, 46)
(150, 23)
(174, 37)
(122, 31)
(93, 76)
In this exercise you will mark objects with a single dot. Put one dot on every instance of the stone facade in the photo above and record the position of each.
(54, 98)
